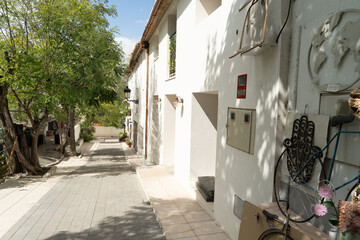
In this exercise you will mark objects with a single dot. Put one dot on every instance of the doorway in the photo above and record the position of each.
(203, 135)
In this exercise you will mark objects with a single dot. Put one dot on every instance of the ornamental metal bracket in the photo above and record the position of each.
(300, 149)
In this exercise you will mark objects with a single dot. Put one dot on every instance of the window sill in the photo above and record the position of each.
(170, 78)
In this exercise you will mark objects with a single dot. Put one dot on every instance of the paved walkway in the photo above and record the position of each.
(97, 196)
(180, 216)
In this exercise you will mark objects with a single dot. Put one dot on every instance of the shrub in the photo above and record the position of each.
(87, 130)
(86, 137)
(4, 165)
(123, 136)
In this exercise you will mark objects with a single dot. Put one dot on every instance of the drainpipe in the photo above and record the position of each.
(145, 45)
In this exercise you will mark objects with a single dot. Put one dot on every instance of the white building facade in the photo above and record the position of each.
(182, 117)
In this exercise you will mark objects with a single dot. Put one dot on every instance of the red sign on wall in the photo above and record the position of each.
(241, 86)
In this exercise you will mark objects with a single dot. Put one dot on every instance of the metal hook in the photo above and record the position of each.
(257, 215)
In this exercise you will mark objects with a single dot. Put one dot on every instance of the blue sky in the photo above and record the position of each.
(131, 20)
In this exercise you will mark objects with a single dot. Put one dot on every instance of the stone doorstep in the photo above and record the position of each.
(134, 161)
(206, 209)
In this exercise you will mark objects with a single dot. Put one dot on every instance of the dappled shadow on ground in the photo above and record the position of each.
(137, 223)
(97, 197)
(100, 165)
(49, 149)
(16, 182)
(21, 180)
(103, 169)
(108, 160)
(116, 153)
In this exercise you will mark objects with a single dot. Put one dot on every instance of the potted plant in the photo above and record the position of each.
(128, 142)
(346, 217)
(123, 136)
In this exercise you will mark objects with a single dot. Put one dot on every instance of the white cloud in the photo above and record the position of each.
(140, 21)
(127, 45)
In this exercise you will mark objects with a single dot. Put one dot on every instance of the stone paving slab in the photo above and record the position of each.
(97, 197)
(179, 214)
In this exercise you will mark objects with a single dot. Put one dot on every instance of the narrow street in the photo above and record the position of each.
(96, 196)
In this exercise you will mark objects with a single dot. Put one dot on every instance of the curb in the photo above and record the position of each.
(135, 166)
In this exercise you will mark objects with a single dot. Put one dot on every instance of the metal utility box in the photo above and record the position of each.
(241, 124)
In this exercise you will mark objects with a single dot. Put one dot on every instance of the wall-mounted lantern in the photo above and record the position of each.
(178, 100)
(127, 95)
(157, 99)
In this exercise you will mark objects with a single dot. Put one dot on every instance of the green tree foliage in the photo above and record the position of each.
(110, 114)
(56, 54)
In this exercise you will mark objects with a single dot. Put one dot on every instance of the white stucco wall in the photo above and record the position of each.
(137, 84)
(247, 176)
(276, 83)
(167, 155)
(77, 129)
(101, 131)
(203, 143)
(203, 65)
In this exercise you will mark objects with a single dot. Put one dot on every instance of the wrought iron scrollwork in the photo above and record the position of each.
(300, 148)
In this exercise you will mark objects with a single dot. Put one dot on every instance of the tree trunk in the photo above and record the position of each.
(23, 145)
(15, 165)
(35, 138)
(61, 131)
(34, 151)
(20, 161)
(71, 132)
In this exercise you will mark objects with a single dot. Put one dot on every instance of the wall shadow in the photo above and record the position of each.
(247, 176)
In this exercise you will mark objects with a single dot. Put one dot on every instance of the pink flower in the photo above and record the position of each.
(319, 209)
(325, 192)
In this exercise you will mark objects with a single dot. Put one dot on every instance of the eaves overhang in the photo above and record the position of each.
(157, 13)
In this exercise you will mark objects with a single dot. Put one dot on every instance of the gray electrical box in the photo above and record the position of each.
(241, 124)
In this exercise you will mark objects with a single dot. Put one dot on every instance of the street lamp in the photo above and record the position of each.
(127, 95)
